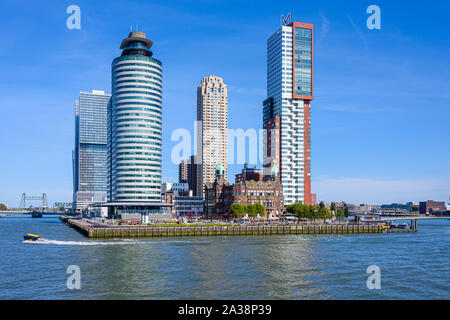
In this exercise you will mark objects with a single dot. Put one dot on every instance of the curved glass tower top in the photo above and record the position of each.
(136, 44)
(135, 123)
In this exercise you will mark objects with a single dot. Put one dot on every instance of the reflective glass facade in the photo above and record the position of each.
(89, 156)
(303, 61)
(286, 111)
(135, 124)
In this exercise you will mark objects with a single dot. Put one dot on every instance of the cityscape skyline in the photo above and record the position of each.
(352, 165)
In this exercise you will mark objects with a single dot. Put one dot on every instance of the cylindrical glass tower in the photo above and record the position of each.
(135, 123)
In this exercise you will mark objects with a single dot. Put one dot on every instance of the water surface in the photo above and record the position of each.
(413, 265)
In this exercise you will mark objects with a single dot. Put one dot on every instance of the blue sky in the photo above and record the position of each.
(381, 108)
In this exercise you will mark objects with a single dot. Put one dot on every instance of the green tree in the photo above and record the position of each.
(333, 207)
(323, 212)
(3, 207)
(259, 209)
(251, 210)
(300, 210)
(414, 207)
(340, 213)
(237, 210)
(346, 213)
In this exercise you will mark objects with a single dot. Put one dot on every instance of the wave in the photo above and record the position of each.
(99, 243)
(80, 243)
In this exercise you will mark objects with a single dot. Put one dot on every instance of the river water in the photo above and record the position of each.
(413, 265)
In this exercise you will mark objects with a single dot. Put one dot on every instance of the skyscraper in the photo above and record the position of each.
(192, 174)
(89, 156)
(187, 172)
(212, 117)
(183, 171)
(135, 123)
(287, 108)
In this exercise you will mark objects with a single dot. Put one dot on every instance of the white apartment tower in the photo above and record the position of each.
(287, 108)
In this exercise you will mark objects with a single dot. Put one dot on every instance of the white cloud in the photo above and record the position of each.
(324, 27)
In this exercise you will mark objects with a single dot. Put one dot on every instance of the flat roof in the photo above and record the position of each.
(133, 204)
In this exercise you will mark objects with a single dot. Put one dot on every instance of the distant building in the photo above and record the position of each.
(340, 205)
(220, 195)
(212, 134)
(248, 174)
(188, 171)
(89, 155)
(183, 171)
(66, 205)
(269, 193)
(183, 202)
(430, 206)
(364, 207)
(397, 206)
(272, 137)
(313, 199)
(192, 172)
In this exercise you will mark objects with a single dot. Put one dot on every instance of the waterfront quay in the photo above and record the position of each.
(95, 230)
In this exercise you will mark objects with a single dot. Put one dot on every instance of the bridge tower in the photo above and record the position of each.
(25, 198)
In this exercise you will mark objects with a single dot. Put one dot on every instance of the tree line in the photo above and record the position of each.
(301, 210)
(252, 210)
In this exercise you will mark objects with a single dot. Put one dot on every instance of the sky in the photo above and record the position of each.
(381, 108)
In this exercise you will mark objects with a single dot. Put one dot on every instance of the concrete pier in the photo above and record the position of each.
(95, 231)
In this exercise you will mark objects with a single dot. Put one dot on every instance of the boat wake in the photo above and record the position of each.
(80, 243)
(101, 243)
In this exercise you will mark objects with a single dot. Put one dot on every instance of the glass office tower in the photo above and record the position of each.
(135, 123)
(287, 110)
(89, 156)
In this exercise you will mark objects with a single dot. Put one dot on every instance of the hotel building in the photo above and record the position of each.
(212, 120)
(89, 155)
(286, 111)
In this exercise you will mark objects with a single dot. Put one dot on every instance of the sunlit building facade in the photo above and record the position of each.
(212, 120)
(135, 123)
(89, 155)
(287, 110)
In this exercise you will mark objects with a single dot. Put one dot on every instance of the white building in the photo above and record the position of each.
(289, 84)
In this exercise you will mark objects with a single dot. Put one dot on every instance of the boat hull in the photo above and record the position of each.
(31, 237)
(36, 215)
